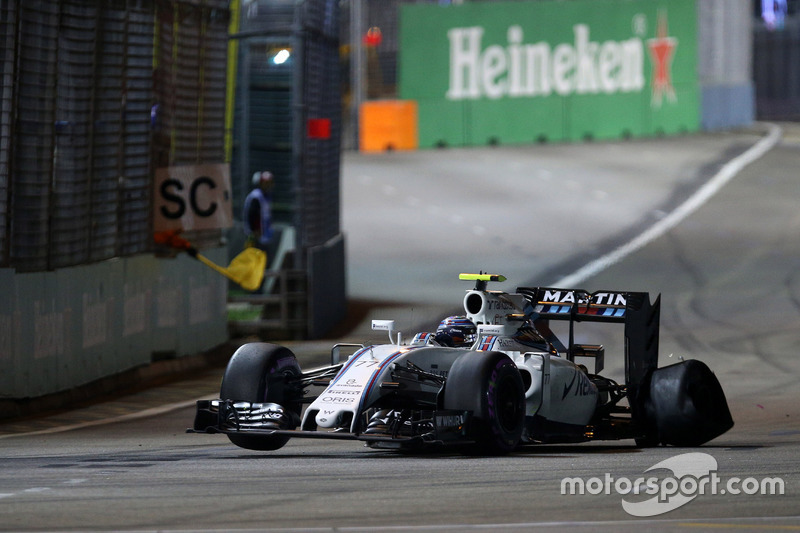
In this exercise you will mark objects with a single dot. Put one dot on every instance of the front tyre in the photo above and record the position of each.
(258, 373)
(490, 386)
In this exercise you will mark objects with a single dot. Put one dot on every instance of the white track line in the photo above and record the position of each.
(783, 523)
(153, 411)
(703, 194)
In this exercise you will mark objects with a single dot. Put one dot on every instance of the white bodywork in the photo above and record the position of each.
(348, 390)
(558, 391)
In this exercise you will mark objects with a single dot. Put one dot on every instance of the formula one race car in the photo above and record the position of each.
(489, 381)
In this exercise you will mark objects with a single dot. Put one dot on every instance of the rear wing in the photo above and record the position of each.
(633, 309)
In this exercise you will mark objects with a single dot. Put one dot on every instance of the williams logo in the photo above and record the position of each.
(584, 66)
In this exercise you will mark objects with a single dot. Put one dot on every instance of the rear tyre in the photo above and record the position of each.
(257, 373)
(488, 384)
(685, 406)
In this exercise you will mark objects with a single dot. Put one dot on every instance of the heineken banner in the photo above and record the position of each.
(521, 72)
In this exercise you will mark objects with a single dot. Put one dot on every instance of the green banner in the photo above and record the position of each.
(521, 72)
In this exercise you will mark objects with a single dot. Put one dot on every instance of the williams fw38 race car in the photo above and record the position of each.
(489, 381)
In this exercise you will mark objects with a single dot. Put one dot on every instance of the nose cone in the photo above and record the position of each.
(327, 418)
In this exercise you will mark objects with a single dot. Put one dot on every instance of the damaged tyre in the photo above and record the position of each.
(684, 405)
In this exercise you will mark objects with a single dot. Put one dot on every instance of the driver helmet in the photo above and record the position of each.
(456, 331)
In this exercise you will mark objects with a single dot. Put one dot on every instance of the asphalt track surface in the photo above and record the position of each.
(728, 272)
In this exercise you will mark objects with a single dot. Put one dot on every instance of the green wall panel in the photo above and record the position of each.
(506, 122)
(606, 116)
(558, 70)
(450, 125)
(669, 119)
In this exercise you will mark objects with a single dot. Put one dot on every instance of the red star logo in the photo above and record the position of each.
(662, 49)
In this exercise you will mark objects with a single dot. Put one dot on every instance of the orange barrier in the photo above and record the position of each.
(388, 125)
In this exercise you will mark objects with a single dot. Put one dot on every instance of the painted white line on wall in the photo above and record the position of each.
(703, 194)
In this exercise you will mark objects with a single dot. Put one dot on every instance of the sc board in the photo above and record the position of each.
(192, 197)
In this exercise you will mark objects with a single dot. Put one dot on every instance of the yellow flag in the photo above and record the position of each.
(246, 269)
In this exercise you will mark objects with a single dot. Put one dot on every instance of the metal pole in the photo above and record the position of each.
(299, 141)
(357, 64)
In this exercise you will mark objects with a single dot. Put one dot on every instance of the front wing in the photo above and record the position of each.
(444, 427)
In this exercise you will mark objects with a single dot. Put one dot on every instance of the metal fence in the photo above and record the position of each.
(275, 100)
(85, 118)
(776, 57)
(321, 97)
(263, 116)
(288, 120)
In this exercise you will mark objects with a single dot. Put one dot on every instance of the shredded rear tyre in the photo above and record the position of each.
(685, 405)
